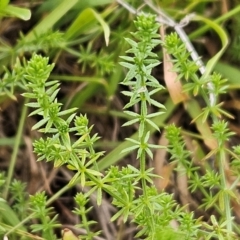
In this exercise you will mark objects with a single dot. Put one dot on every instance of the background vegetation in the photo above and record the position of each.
(84, 40)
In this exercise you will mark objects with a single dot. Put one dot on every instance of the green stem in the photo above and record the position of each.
(92, 152)
(227, 203)
(142, 171)
(58, 194)
(143, 154)
(113, 157)
(15, 149)
(85, 222)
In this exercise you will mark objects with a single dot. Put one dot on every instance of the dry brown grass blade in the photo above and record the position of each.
(161, 169)
(182, 183)
(33, 168)
(174, 87)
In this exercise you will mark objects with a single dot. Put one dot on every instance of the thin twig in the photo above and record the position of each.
(178, 27)
(127, 6)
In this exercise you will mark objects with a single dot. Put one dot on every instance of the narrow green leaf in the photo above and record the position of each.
(84, 20)
(157, 104)
(129, 59)
(130, 75)
(37, 111)
(74, 179)
(152, 65)
(82, 179)
(153, 124)
(51, 19)
(147, 137)
(40, 123)
(224, 40)
(99, 196)
(95, 173)
(48, 126)
(132, 140)
(128, 123)
(141, 129)
(127, 65)
(139, 152)
(8, 215)
(130, 149)
(127, 93)
(151, 115)
(104, 25)
(156, 146)
(149, 153)
(68, 111)
(117, 215)
(133, 114)
(33, 105)
(131, 42)
(22, 13)
(52, 92)
(28, 95)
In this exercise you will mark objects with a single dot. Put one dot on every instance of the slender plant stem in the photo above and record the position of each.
(142, 171)
(227, 203)
(15, 149)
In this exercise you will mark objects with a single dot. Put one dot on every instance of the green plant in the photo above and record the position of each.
(214, 177)
(47, 222)
(70, 142)
(81, 157)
